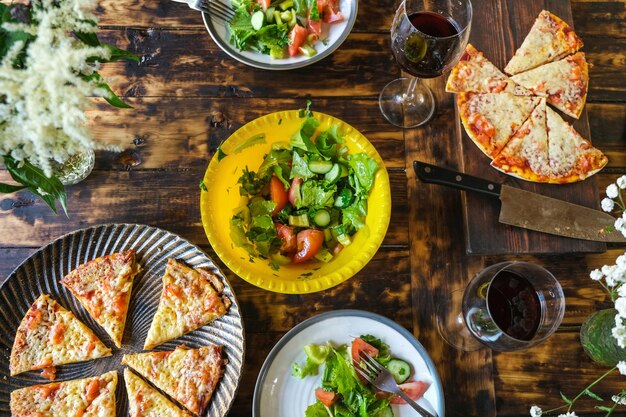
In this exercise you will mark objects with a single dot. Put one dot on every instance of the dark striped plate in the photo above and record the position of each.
(41, 274)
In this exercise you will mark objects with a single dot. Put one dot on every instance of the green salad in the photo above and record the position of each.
(306, 200)
(344, 394)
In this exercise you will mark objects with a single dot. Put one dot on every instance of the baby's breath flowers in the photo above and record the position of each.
(48, 71)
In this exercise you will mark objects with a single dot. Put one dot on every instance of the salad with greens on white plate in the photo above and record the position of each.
(306, 200)
(282, 28)
(345, 394)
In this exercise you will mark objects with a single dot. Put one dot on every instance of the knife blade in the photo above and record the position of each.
(529, 210)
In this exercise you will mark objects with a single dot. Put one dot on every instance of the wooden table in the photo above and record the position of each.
(189, 96)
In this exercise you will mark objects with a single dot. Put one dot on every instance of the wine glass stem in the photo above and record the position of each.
(408, 96)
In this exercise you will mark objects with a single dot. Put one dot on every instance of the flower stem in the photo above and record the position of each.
(576, 398)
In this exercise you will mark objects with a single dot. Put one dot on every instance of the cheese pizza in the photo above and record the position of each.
(88, 397)
(189, 376)
(491, 119)
(50, 335)
(145, 401)
(563, 82)
(476, 74)
(549, 39)
(190, 298)
(103, 286)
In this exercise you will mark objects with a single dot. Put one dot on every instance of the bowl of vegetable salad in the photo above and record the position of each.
(282, 34)
(296, 201)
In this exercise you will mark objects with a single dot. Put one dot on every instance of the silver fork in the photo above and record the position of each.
(211, 7)
(384, 381)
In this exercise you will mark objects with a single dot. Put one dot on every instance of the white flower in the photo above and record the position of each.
(568, 414)
(619, 333)
(621, 182)
(621, 365)
(621, 291)
(612, 191)
(536, 411)
(596, 275)
(620, 306)
(618, 399)
(608, 205)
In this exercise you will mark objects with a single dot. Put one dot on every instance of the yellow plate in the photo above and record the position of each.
(222, 197)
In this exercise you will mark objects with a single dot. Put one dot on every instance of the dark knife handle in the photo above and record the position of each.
(436, 175)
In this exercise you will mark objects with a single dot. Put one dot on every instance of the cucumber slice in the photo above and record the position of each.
(277, 18)
(307, 50)
(344, 239)
(269, 14)
(323, 255)
(299, 221)
(344, 198)
(277, 52)
(257, 20)
(286, 4)
(321, 218)
(320, 167)
(334, 174)
(400, 370)
(285, 16)
(385, 412)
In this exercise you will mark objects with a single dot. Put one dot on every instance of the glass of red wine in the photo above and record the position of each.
(508, 306)
(428, 38)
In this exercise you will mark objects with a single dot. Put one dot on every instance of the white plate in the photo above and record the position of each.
(278, 394)
(337, 33)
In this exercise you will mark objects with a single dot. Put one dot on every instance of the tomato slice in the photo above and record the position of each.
(327, 398)
(314, 26)
(309, 242)
(359, 345)
(332, 16)
(287, 235)
(294, 191)
(264, 3)
(414, 390)
(278, 194)
(297, 36)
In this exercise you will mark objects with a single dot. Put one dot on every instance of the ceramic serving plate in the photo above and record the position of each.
(221, 198)
(338, 32)
(278, 394)
(41, 273)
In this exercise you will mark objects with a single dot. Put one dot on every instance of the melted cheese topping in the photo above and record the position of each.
(89, 397)
(50, 335)
(103, 286)
(145, 401)
(189, 300)
(526, 154)
(491, 119)
(549, 39)
(564, 83)
(187, 375)
(476, 74)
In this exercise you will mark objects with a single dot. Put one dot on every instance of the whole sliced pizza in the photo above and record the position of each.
(89, 397)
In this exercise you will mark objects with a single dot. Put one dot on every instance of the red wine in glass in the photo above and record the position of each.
(426, 43)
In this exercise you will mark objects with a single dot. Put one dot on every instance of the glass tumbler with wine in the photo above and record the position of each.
(508, 306)
(428, 38)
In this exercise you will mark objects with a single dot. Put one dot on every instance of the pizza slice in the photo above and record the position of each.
(572, 158)
(103, 286)
(549, 39)
(94, 397)
(145, 401)
(50, 335)
(476, 74)
(189, 376)
(491, 119)
(563, 82)
(190, 298)
(526, 155)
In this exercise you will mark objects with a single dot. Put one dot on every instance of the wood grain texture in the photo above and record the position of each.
(510, 22)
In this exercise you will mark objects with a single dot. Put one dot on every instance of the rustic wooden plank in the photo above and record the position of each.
(538, 375)
(600, 18)
(167, 199)
(439, 264)
(170, 67)
(177, 132)
(511, 21)
(606, 76)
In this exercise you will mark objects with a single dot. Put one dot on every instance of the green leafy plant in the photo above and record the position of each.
(59, 35)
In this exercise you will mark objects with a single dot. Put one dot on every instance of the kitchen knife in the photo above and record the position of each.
(527, 209)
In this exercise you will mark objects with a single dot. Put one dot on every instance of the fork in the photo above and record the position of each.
(384, 381)
(211, 7)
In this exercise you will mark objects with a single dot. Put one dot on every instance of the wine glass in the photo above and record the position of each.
(428, 38)
(508, 306)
